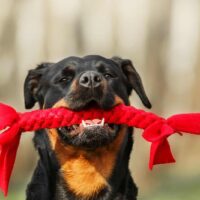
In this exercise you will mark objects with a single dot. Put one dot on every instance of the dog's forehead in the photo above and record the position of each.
(87, 61)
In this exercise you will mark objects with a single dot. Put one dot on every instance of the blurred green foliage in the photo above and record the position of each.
(177, 189)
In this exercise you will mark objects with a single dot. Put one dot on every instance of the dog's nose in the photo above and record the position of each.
(90, 79)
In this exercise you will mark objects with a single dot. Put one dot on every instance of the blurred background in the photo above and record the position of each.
(162, 38)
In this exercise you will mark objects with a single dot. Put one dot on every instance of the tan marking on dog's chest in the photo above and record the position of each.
(86, 172)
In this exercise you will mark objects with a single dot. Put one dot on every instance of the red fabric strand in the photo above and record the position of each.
(160, 153)
(156, 130)
(185, 122)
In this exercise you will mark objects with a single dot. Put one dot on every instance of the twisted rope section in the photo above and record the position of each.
(60, 117)
(156, 129)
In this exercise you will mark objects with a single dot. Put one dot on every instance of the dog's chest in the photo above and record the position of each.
(85, 174)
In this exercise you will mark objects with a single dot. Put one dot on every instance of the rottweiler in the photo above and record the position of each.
(87, 161)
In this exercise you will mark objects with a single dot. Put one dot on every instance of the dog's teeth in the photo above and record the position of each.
(84, 124)
(91, 125)
(102, 122)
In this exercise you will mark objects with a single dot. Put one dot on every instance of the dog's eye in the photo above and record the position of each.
(108, 76)
(65, 79)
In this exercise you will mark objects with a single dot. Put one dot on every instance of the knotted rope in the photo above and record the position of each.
(156, 130)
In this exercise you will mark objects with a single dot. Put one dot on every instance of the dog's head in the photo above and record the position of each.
(79, 83)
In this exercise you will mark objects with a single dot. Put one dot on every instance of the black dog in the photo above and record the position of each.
(87, 161)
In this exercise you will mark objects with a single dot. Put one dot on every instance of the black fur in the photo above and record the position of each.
(49, 83)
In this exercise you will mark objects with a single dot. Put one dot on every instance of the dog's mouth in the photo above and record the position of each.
(94, 124)
(89, 134)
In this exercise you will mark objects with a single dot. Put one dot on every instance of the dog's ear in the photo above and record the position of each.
(133, 78)
(31, 84)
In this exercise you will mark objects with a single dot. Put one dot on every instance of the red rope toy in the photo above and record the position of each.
(156, 130)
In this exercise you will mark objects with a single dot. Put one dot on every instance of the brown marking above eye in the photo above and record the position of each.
(105, 69)
(66, 76)
(68, 73)
(100, 66)
(69, 69)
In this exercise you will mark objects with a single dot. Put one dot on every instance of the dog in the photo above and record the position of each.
(87, 161)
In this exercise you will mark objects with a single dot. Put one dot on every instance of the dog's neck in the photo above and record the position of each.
(86, 173)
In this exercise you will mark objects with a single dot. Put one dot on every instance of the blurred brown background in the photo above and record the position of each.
(162, 38)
